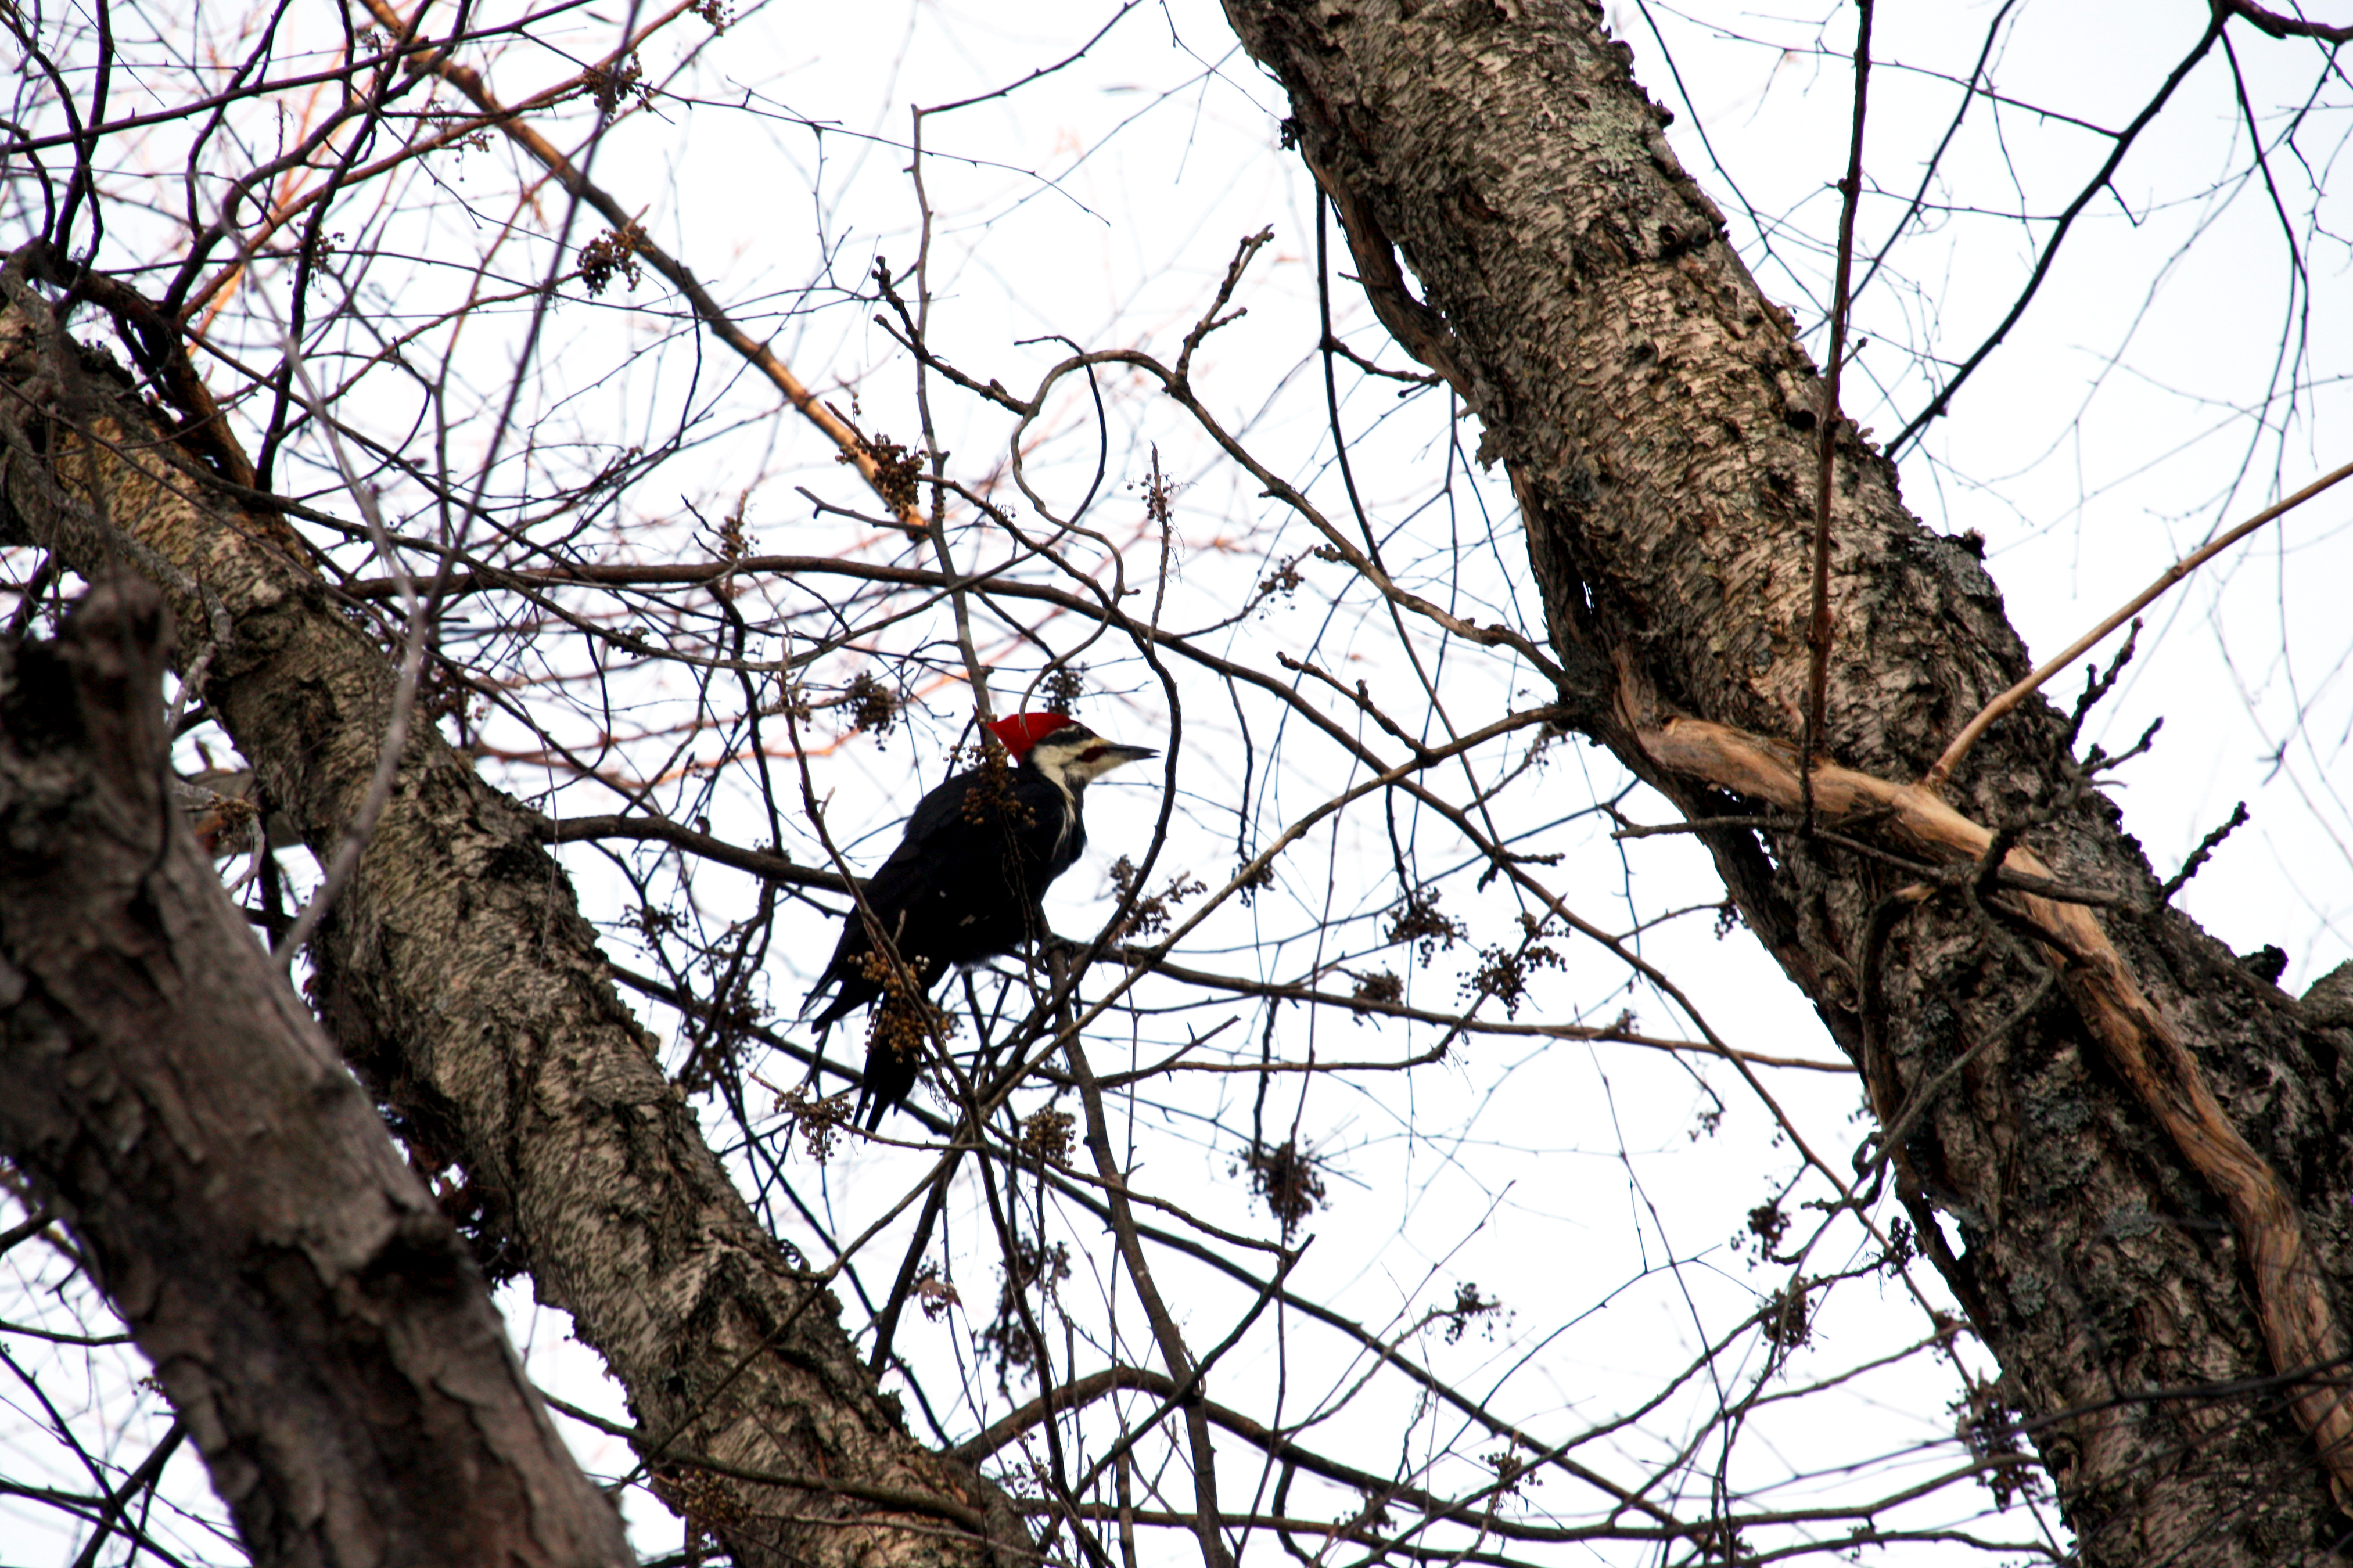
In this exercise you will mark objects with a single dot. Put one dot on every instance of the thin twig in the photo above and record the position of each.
(1926, 1095)
(853, 446)
(937, 529)
(1818, 631)
(362, 825)
(1170, 1339)
(2098, 683)
(150, 1471)
(1935, 776)
(2090, 192)
(2197, 857)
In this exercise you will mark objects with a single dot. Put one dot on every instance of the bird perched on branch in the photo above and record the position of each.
(963, 885)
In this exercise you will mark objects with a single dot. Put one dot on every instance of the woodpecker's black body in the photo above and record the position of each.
(965, 881)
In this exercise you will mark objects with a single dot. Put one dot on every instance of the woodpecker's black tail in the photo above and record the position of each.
(891, 1074)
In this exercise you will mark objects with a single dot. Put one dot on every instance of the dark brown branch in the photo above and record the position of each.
(322, 1319)
(2199, 856)
(662, 830)
(2280, 27)
(1818, 629)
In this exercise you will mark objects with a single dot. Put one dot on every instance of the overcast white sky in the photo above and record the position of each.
(2141, 403)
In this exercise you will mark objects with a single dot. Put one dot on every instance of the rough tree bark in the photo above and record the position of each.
(319, 1323)
(2142, 1155)
(456, 974)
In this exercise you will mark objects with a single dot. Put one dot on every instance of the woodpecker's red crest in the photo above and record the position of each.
(1021, 731)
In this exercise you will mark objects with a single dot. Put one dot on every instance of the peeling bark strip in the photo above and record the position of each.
(2300, 1329)
(458, 976)
(319, 1326)
(2148, 1173)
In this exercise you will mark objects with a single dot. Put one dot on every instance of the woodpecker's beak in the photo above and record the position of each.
(1083, 757)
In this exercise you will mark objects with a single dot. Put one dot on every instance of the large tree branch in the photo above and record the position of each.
(2147, 1176)
(458, 978)
(316, 1320)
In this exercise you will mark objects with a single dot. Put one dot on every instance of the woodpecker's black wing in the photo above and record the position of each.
(963, 885)
(896, 884)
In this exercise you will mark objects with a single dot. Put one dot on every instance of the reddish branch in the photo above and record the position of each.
(854, 446)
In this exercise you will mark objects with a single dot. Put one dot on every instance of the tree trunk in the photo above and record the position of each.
(457, 975)
(319, 1324)
(2142, 1149)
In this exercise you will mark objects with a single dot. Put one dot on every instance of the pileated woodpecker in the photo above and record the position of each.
(965, 881)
